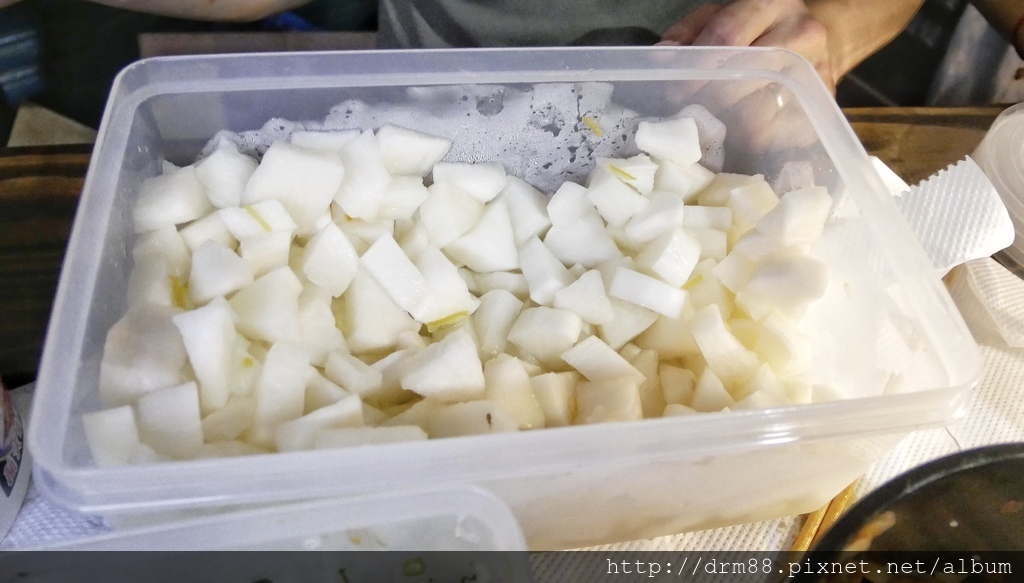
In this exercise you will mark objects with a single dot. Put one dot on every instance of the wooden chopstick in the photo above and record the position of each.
(819, 521)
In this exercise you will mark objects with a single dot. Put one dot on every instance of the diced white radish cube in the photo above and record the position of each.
(608, 401)
(320, 392)
(637, 171)
(208, 228)
(675, 140)
(587, 298)
(209, 336)
(648, 292)
(449, 370)
(755, 246)
(329, 260)
(508, 386)
(677, 410)
(268, 309)
(734, 271)
(629, 351)
(662, 215)
(356, 436)
(714, 244)
(725, 355)
(472, 418)
(546, 333)
(402, 197)
(448, 213)
(493, 319)
(217, 271)
(490, 245)
(408, 152)
(793, 175)
(671, 256)
(250, 221)
(230, 421)
(787, 282)
(717, 192)
(320, 333)
(224, 449)
(764, 399)
(366, 178)
(556, 394)
(797, 390)
(266, 252)
(447, 298)
(677, 384)
(707, 217)
(710, 395)
(398, 276)
(150, 283)
(614, 199)
(704, 289)
(598, 362)
(224, 174)
(583, 241)
(374, 321)
(482, 181)
(527, 208)
(304, 181)
(514, 283)
(413, 240)
(670, 337)
(799, 218)
(782, 345)
(569, 203)
(112, 436)
(712, 133)
(746, 330)
(170, 199)
(683, 181)
(352, 374)
(169, 421)
(652, 399)
(280, 391)
(749, 203)
(764, 380)
(544, 273)
(417, 414)
(391, 368)
(143, 352)
(165, 246)
(301, 433)
(629, 322)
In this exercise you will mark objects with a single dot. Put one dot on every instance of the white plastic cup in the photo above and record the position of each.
(14, 463)
(1001, 155)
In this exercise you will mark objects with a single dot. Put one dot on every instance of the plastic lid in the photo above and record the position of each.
(1001, 156)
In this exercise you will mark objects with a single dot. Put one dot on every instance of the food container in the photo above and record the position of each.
(419, 529)
(1001, 155)
(889, 344)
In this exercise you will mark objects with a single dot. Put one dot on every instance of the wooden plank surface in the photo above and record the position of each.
(39, 190)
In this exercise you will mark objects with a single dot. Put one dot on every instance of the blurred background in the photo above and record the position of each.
(59, 57)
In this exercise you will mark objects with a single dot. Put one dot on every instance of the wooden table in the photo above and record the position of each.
(39, 190)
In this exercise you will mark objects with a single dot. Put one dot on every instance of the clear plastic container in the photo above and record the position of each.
(1001, 155)
(887, 338)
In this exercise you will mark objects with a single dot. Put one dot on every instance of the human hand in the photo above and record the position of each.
(779, 23)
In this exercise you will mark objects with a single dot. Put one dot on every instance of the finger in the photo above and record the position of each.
(806, 37)
(740, 23)
(686, 30)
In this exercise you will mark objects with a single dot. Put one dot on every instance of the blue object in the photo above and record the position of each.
(20, 71)
(289, 22)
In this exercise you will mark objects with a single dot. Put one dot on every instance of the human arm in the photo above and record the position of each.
(212, 10)
(834, 35)
(1007, 17)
